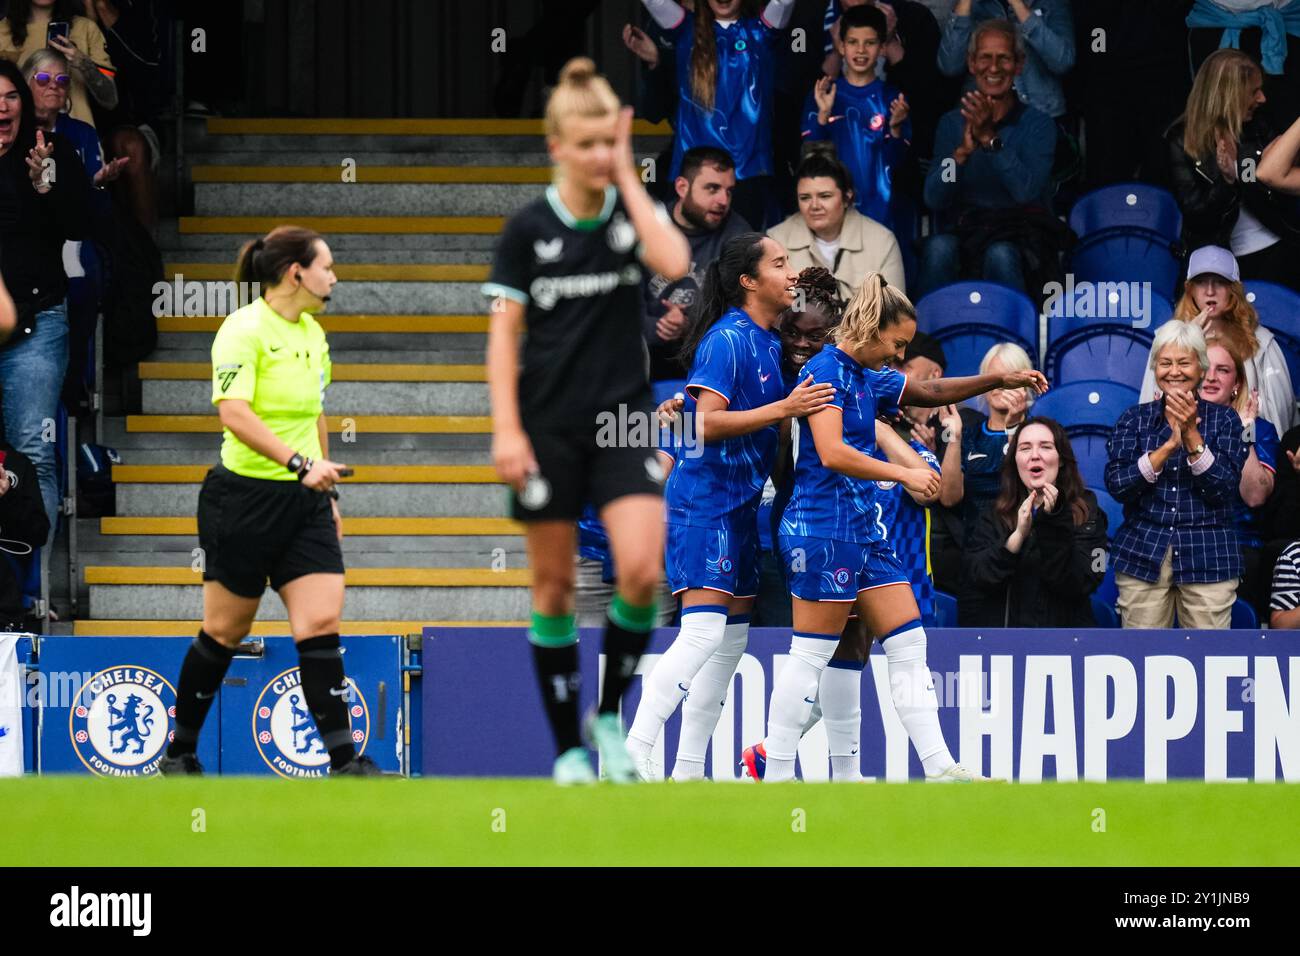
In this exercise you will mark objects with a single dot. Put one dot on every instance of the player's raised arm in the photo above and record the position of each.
(663, 248)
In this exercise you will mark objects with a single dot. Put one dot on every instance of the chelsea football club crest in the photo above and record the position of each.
(285, 733)
(121, 720)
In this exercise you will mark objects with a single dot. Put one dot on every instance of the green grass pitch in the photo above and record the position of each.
(81, 821)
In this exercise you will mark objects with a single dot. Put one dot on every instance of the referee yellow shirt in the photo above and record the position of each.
(281, 369)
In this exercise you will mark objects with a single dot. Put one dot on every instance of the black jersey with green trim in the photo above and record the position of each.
(579, 281)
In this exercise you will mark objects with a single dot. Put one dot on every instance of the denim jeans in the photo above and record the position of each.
(31, 375)
(941, 264)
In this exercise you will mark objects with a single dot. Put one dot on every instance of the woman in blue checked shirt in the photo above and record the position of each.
(1175, 464)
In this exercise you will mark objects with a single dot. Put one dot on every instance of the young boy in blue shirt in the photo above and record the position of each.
(865, 117)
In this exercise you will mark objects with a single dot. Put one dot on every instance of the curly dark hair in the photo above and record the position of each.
(820, 292)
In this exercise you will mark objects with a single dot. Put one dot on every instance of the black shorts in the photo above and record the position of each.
(579, 468)
(252, 530)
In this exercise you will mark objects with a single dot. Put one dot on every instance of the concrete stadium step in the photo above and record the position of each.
(399, 547)
(501, 137)
(91, 627)
(333, 159)
(368, 173)
(184, 388)
(152, 447)
(175, 593)
(437, 491)
(361, 199)
(369, 288)
(355, 339)
(410, 251)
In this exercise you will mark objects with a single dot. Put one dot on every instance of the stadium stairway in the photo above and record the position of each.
(411, 210)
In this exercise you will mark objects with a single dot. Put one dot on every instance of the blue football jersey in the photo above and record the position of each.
(720, 483)
(907, 529)
(741, 119)
(1266, 446)
(859, 128)
(826, 503)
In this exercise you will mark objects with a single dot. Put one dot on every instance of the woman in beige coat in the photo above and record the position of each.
(828, 232)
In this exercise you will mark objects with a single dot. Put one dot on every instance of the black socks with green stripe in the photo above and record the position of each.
(555, 654)
(627, 631)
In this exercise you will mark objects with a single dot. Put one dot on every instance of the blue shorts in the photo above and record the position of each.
(714, 558)
(822, 569)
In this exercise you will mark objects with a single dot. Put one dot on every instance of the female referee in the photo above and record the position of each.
(269, 510)
(569, 268)
(734, 355)
(835, 551)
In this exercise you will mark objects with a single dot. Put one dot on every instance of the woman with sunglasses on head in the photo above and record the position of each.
(269, 509)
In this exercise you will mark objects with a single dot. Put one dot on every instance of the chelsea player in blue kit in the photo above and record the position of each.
(836, 555)
(712, 551)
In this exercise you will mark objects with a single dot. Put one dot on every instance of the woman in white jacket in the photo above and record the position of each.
(1215, 299)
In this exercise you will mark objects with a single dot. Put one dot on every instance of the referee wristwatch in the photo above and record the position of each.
(295, 463)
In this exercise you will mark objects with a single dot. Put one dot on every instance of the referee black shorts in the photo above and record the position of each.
(253, 530)
(582, 466)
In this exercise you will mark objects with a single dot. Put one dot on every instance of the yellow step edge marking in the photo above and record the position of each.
(356, 272)
(356, 577)
(380, 424)
(202, 371)
(231, 126)
(431, 324)
(369, 225)
(365, 474)
(372, 174)
(352, 526)
(95, 628)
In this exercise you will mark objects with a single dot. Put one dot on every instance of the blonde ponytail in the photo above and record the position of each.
(580, 91)
(875, 305)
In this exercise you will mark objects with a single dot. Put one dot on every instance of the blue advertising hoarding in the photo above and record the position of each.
(1016, 704)
(108, 707)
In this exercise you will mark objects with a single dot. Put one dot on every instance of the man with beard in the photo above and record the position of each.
(703, 213)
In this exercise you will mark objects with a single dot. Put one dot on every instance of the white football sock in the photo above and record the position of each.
(840, 696)
(703, 705)
(702, 631)
(912, 688)
(793, 697)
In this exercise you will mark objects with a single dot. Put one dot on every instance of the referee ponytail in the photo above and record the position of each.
(265, 261)
(722, 290)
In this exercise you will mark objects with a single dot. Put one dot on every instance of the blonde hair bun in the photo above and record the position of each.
(578, 71)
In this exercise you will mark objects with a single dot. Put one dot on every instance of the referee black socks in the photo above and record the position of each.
(627, 632)
(555, 655)
(204, 669)
(320, 662)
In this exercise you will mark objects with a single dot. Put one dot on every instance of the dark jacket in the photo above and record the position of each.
(22, 518)
(685, 292)
(33, 228)
(1048, 584)
(1211, 204)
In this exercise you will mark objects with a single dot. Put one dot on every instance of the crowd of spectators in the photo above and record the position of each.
(944, 141)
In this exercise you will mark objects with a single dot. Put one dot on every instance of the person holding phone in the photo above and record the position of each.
(269, 509)
(31, 25)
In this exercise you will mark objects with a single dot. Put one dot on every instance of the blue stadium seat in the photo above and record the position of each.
(1114, 345)
(1113, 509)
(1279, 312)
(1128, 257)
(1104, 600)
(969, 318)
(1244, 617)
(1127, 206)
(666, 389)
(945, 609)
(1088, 411)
